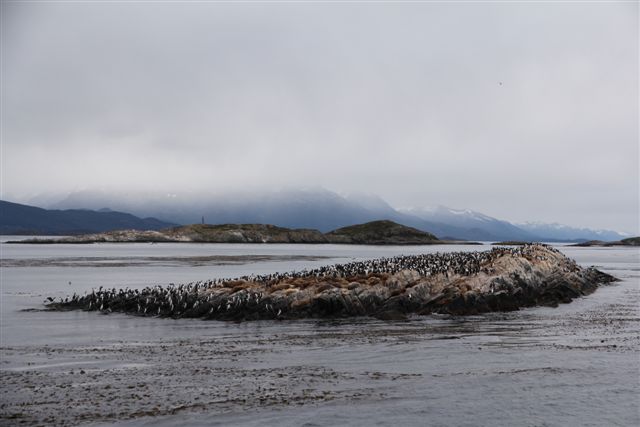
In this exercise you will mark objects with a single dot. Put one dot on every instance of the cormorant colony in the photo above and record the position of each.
(220, 298)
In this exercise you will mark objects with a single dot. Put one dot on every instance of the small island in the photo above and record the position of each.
(382, 232)
(458, 283)
(631, 241)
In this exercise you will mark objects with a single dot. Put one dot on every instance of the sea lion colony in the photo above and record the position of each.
(504, 278)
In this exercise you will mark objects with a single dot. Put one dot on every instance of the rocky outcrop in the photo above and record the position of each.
(511, 243)
(462, 283)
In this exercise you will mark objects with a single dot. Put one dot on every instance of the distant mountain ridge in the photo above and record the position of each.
(479, 226)
(298, 208)
(564, 232)
(22, 219)
(318, 208)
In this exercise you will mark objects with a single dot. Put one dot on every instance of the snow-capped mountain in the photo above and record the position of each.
(482, 226)
(561, 232)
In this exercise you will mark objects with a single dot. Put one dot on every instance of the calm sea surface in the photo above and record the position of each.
(578, 364)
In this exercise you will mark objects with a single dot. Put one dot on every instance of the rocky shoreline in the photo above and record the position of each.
(458, 283)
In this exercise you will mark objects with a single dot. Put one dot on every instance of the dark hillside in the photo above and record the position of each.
(22, 219)
(381, 232)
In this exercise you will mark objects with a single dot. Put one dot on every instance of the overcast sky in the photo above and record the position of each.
(523, 111)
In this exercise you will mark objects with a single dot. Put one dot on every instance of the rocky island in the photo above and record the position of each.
(459, 283)
(631, 241)
(371, 233)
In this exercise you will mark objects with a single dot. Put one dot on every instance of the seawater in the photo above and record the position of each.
(577, 364)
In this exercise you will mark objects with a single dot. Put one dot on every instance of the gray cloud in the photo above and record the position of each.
(403, 100)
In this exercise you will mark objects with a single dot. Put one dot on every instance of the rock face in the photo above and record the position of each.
(461, 283)
(371, 233)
